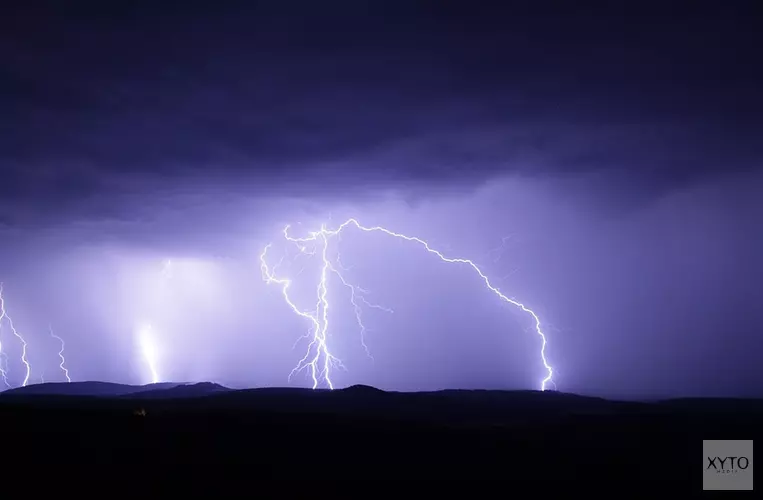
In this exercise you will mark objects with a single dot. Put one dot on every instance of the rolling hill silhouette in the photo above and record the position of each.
(361, 431)
(196, 390)
(105, 389)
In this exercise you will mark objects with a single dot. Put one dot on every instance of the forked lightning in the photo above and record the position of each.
(319, 359)
(3, 366)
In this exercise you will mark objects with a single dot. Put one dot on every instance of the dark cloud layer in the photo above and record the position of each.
(110, 100)
(619, 148)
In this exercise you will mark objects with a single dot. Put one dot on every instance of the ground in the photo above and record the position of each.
(363, 433)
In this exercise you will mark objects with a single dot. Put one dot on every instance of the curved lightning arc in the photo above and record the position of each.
(319, 360)
(3, 370)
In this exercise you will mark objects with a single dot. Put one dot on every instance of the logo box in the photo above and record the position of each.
(727, 465)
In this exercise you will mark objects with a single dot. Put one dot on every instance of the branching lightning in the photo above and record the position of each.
(319, 360)
(62, 366)
(496, 253)
(357, 294)
(4, 315)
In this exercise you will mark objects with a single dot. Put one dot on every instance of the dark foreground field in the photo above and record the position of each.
(363, 433)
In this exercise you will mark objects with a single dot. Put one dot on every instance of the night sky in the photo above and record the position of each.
(613, 155)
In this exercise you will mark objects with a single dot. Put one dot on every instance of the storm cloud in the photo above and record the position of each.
(616, 153)
(315, 100)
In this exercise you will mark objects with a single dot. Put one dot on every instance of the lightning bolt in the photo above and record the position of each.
(146, 331)
(62, 366)
(318, 321)
(4, 315)
(319, 359)
(148, 348)
(357, 294)
(3, 362)
(4, 367)
(496, 253)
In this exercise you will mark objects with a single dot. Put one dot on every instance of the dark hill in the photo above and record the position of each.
(198, 390)
(187, 431)
(105, 389)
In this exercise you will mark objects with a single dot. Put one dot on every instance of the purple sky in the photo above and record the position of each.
(620, 158)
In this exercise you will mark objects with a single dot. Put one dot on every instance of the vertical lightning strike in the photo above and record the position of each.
(3, 361)
(4, 367)
(319, 327)
(4, 315)
(146, 336)
(3, 356)
(148, 348)
(318, 346)
(318, 352)
(62, 366)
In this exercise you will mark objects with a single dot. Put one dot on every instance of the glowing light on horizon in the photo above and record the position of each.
(149, 351)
